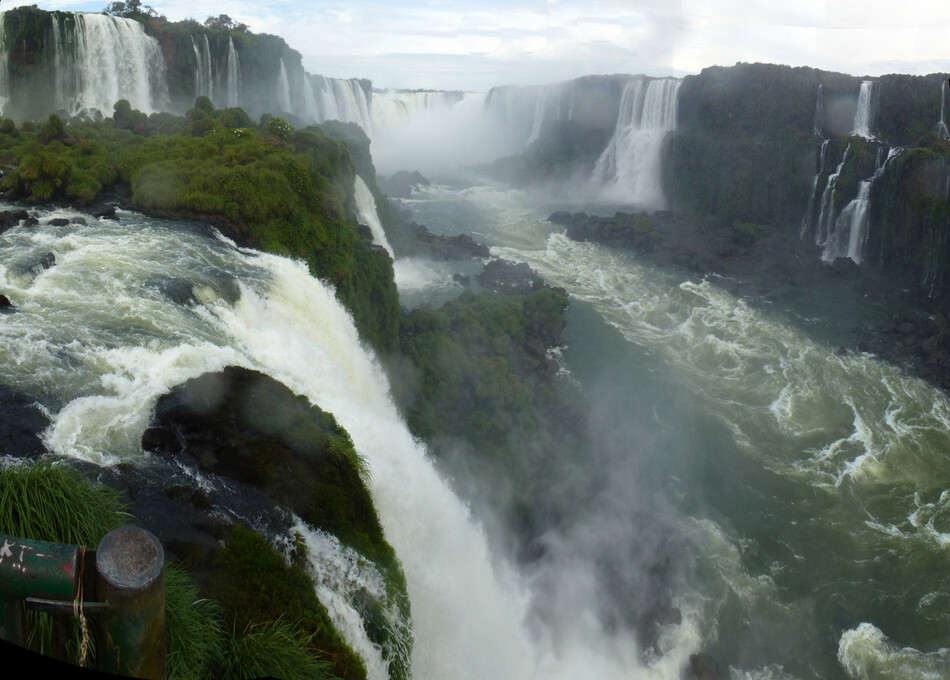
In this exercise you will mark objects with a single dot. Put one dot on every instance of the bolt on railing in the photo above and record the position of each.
(125, 576)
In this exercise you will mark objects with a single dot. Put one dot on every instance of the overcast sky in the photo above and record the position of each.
(464, 44)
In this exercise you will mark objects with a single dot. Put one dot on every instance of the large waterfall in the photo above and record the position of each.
(629, 167)
(88, 62)
(96, 339)
(862, 117)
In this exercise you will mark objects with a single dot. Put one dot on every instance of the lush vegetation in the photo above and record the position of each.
(212, 165)
(477, 383)
(50, 501)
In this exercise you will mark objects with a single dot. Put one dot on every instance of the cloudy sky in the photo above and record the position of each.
(464, 44)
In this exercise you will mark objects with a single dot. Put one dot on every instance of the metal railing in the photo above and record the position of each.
(117, 590)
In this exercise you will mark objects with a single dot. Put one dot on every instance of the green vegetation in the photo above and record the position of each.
(215, 165)
(261, 594)
(477, 384)
(284, 633)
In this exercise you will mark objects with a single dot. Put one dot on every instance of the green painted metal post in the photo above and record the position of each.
(32, 569)
(131, 578)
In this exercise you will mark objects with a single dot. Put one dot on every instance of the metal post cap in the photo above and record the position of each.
(130, 558)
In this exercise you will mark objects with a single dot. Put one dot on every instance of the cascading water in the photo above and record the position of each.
(97, 340)
(366, 213)
(343, 100)
(849, 237)
(204, 79)
(862, 117)
(819, 118)
(629, 168)
(100, 59)
(942, 131)
(233, 76)
(826, 216)
(831, 507)
(283, 89)
(4, 64)
(806, 220)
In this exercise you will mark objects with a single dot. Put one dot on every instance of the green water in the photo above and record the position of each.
(803, 493)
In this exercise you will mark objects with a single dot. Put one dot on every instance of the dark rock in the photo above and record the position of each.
(465, 281)
(21, 424)
(79, 220)
(12, 218)
(507, 277)
(704, 667)
(400, 184)
(58, 222)
(103, 212)
(364, 232)
(906, 328)
(5, 304)
(31, 222)
(418, 240)
(845, 266)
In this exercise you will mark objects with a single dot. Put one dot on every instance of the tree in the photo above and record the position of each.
(131, 9)
(223, 22)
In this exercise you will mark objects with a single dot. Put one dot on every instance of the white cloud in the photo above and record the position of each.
(477, 44)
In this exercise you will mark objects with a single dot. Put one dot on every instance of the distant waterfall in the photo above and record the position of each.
(942, 131)
(4, 66)
(233, 81)
(345, 100)
(850, 233)
(826, 216)
(806, 220)
(629, 168)
(98, 59)
(862, 117)
(819, 118)
(204, 81)
(366, 213)
(283, 89)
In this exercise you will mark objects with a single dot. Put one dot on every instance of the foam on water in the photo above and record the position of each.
(867, 654)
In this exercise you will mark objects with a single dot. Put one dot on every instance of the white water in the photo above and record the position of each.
(96, 338)
(204, 81)
(826, 218)
(629, 168)
(806, 220)
(849, 238)
(233, 76)
(867, 654)
(283, 89)
(942, 131)
(110, 58)
(862, 117)
(366, 213)
(819, 118)
(849, 430)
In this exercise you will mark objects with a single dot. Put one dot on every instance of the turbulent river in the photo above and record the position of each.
(803, 490)
(800, 495)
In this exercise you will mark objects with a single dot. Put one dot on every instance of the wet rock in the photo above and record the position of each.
(79, 220)
(507, 277)
(12, 218)
(5, 304)
(401, 184)
(21, 424)
(704, 667)
(58, 222)
(103, 212)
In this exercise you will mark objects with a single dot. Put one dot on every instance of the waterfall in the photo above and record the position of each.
(629, 168)
(4, 64)
(233, 76)
(942, 131)
(826, 216)
(862, 117)
(344, 100)
(850, 234)
(203, 74)
(806, 220)
(366, 213)
(101, 59)
(819, 118)
(283, 89)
